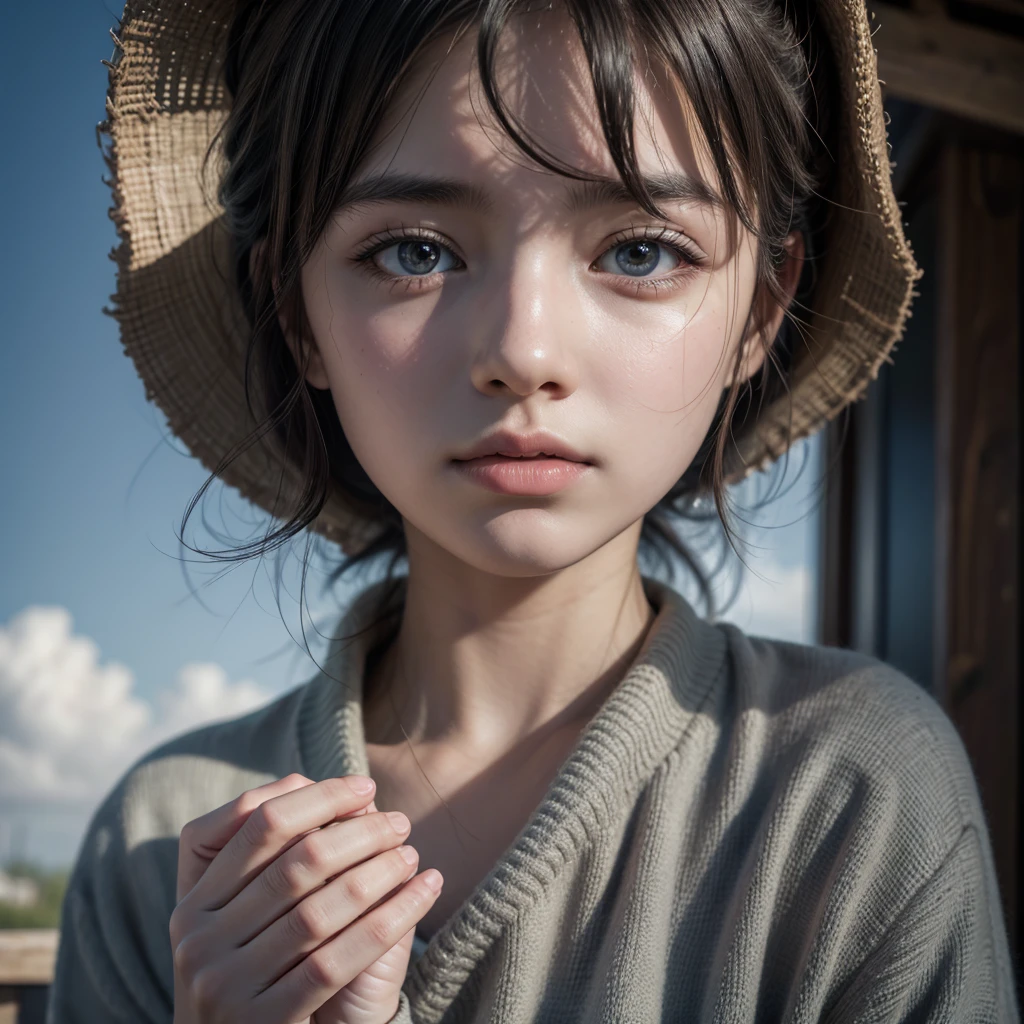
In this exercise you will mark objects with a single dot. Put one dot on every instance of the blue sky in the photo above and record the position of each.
(93, 489)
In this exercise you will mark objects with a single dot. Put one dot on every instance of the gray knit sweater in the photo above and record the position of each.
(746, 830)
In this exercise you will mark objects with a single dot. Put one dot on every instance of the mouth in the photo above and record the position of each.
(538, 457)
(525, 475)
(535, 446)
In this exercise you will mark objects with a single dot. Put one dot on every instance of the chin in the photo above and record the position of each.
(528, 543)
(520, 543)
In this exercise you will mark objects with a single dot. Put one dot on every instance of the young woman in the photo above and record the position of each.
(501, 289)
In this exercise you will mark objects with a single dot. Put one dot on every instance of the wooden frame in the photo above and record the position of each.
(977, 653)
(973, 177)
(951, 65)
(27, 960)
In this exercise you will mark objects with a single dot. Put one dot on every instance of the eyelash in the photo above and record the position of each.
(690, 260)
(389, 237)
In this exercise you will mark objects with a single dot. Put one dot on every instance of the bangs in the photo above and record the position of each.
(312, 81)
(742, 70)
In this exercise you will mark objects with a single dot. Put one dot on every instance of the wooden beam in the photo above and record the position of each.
(28, 956)
(835, 594)
(977, 652)
(960, 68)
(1012, 8)
(929, 8)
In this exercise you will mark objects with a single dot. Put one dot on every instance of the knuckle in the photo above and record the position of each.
(309, 921)
(189, 958)
(282, 878)
(383, 929)
(316, 852)
(415, 896)
(253, 832)
(179, 925)
(206, 986)
(322, 970)
(263, 825)
(356, 888)
(247, 802)
(269, 819)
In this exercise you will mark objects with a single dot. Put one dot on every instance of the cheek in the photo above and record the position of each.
(661, 385)
(387, 384)
(373, 391)
(363, 347)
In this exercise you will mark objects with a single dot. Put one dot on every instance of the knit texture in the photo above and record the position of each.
(746, 830)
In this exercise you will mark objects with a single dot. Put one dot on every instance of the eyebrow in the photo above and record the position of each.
(673, 186)
(579, 195)
(416, 188)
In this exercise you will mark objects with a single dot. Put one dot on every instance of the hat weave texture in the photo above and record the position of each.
(183, 324)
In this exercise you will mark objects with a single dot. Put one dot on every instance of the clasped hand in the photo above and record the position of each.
(296, 903)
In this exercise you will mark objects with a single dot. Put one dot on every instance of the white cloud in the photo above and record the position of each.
(70, 725)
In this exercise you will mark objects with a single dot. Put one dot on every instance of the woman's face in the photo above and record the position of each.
(525, 303)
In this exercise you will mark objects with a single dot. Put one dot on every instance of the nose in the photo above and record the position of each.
(524, 338)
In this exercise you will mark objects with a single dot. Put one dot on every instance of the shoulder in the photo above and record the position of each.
(859, 826)
(134, 829)
(858, 725)
(199, 770)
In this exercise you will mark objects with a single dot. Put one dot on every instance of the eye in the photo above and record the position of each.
(639, 257)
(416, 256)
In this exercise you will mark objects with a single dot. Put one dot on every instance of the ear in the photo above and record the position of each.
(766, 327)
(316, 373)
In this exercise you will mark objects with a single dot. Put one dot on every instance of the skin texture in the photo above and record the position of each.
(522, 612)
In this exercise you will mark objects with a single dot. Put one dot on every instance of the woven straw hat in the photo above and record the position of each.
(184, 326)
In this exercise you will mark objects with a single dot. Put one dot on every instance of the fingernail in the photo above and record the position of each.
(399, 822)
(408, 854)
(434, 880)
(360, 784)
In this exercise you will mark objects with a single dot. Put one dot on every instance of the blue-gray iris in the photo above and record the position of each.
(418, 256)
(638, 258)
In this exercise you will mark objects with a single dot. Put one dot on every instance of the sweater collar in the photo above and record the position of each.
(641, 721)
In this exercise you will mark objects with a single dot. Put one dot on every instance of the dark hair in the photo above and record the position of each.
(310, 80)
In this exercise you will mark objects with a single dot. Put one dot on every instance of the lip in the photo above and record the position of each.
(506, 442)
(523, 476)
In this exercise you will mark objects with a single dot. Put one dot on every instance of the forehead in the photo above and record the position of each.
(440, 118)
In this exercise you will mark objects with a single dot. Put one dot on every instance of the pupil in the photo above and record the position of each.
(644, 254)
(418, 256)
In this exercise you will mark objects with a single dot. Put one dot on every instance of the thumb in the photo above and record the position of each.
(373, 996)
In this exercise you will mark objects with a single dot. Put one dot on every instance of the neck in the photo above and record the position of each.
(482, 662)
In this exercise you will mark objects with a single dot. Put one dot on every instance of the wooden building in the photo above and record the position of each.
(922, 528)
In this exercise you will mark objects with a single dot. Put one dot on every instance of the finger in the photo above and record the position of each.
(331, 824)
(322, 915)
(394, 891)
(273, 826)
(368, 809)
(307, 866)
(386, 973)
(204, 837)
(332, 966)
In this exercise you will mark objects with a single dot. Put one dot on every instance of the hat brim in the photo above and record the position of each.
(183, 324)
